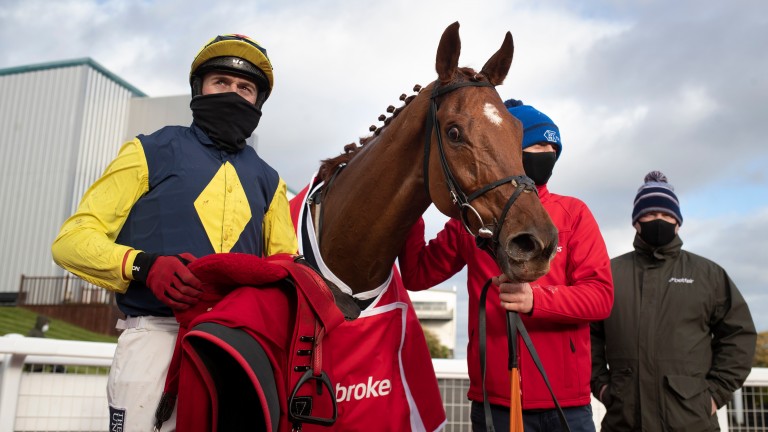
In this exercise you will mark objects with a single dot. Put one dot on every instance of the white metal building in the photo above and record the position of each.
(60, 124)
(436, 310)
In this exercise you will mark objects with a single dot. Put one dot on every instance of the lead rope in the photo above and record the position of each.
(531, 349)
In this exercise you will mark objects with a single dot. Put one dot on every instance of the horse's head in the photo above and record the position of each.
(475, 171)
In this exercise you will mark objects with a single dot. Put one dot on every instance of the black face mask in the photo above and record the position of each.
(538, 166)
(226, 118)
(657, 232)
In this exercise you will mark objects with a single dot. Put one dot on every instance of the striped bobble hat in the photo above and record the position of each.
(656, 195)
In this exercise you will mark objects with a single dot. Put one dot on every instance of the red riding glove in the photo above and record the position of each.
(169, 278)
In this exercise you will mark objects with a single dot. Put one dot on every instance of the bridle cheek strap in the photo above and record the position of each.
(434, 125)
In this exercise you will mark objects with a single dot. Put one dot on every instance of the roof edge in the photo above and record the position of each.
(85, 61)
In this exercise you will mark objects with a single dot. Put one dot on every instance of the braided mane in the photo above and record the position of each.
(329, 166)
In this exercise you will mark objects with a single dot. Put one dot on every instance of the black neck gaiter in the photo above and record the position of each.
(657, 232)
(538, 166)
(227, 118)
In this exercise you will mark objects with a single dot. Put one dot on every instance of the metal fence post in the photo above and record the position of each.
(738, 407)
(10, 380)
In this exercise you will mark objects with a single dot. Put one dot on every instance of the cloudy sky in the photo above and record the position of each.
(634, 86)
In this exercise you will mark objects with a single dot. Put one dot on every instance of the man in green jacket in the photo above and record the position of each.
(680, 338)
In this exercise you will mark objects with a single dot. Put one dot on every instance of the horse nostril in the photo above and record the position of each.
(524, 246)
(550, 250)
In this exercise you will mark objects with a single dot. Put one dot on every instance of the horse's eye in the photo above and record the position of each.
(454, 134)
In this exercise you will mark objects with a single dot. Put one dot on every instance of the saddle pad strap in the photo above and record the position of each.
(305, 375)
(317, 352)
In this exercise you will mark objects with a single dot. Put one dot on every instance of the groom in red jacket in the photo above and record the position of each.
(556, 309)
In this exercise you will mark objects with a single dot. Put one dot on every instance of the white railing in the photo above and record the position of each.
(50, 401)
(37, 398)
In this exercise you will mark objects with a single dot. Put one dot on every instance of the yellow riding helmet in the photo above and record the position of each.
(225, 52)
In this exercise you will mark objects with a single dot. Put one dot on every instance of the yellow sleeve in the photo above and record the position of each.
(279, 234)
(86, 244)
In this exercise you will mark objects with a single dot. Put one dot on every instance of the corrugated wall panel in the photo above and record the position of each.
(103, 124)
(58, 130)
(37, 105)
(62, 143)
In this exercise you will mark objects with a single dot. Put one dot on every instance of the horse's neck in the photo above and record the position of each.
(372, 205)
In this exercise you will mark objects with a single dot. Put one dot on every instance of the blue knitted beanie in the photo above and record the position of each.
(537, 126)
(656, 195)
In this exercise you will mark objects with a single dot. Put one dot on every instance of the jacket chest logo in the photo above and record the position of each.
(680, 280)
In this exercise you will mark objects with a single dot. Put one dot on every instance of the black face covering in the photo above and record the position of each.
(657, 232)
(538, 166)
(226, 118)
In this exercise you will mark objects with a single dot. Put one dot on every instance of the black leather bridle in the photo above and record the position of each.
(485, 237)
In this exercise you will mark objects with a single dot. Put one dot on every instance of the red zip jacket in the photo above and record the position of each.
(578, 289)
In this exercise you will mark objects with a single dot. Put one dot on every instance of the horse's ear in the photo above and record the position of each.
(497, 67)
(448, 53)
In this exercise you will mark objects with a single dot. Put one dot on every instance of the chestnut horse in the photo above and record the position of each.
(469, 166)
(455, 145)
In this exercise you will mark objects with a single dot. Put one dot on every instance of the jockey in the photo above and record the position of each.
(160, 204)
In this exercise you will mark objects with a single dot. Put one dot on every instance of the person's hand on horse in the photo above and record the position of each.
(171, 281)
(515, 297)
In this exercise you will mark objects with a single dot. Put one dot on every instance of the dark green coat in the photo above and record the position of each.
(679, 334)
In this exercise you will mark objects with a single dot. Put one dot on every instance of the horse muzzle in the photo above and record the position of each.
(525, 256)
